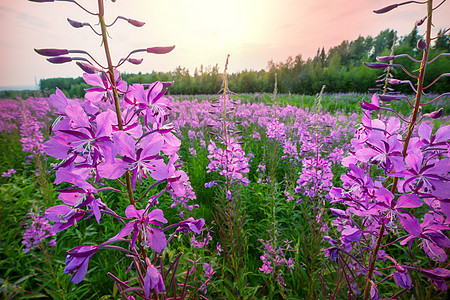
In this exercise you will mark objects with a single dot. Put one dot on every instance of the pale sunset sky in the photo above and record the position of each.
(204, 32)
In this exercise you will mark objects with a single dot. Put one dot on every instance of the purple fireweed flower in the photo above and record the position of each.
(77, 261)
(171, 142)
(385, 150)
(432, 239)
(147, 223)
(35, 231)
(64, 216)
(351, 234)
(374, 292)
(8, 173)
(153, 281)
(425, 177)
(332, 253)
(437, 277)
(152, 101)
(402, 279)
(440, 138)
(86, 141)
(103, 89)
(191, 225)
(79, 198)
(396, 209)
(374, 105)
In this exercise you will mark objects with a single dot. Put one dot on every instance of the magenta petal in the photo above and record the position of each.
(375, 101)
(408, 201)
(63, 175)
(438, 272)
(53, 213)
(124, 232)
(424, 131)
(156, 239)
(443, 134)
(77, 114)
(59, 100)
(157, 215)
(351, 234)
(96, 210)
(151, 145)
(93, 79)
(56, 147)
(112, 170)
(132, 212)
(125, 143)
(414, 160)
(104, 123)
(153, 280)
(69, 197)
(161, 170)
(385, 196)
(366, 154)
(94, 96)
(81, 272)
(402, 279)
(410, 224)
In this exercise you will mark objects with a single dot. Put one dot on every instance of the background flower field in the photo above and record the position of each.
(284, 208)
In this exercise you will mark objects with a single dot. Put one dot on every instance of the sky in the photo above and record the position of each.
(203, 31)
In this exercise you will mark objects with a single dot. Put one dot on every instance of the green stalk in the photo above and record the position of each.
(407, 139)
(101, 13)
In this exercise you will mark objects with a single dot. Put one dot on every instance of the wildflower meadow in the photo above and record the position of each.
(132, 192)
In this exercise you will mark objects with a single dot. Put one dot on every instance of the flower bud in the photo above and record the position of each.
(59, 59)
(136, 23)
(75, 24)
(385, 58)
(376, 65)
(435, 114)
(394, 81)
(420, 22)
(88, 68)
(51, 52)
(160, 50)
(385, 9)
(387, 98)
(421, 44)
(167, 84)
(135, 61)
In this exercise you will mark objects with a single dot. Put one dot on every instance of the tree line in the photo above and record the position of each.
(340, 69)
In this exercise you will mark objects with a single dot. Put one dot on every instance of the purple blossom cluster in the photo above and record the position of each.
(8, 173)
(91, 148)
(374, 206)
(36, 230)
(32, 137)
(274, 258)
(118, 132)
(315, 177)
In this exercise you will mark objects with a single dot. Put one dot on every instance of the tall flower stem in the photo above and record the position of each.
(406, 141)
(112, 79)
(101, 12)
